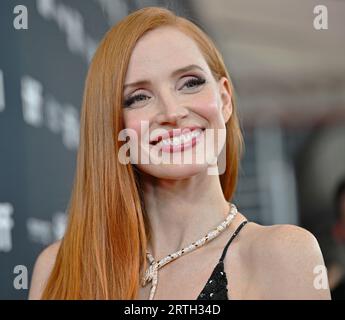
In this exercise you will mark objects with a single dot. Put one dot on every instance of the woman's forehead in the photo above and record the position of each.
(163, 50)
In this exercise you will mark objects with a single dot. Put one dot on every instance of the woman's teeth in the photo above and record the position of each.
(183, 138)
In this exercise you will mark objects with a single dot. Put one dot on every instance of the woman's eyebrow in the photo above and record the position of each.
(173, 74)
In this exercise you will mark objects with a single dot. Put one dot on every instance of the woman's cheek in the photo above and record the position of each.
(138, 122)
(133, 120)
(207, 106)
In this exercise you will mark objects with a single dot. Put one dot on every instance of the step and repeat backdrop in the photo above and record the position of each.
(45, 50)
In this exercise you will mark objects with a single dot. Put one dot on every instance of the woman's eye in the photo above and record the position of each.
(195, 82)
(190, 84)
(139, 97)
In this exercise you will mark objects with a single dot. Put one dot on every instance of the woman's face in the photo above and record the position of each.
(175, 90)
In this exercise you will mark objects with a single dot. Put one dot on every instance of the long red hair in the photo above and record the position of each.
(103, 249)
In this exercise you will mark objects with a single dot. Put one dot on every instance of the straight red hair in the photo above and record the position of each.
(104, 245)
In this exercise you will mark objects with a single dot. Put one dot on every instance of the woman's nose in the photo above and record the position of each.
(170, 110)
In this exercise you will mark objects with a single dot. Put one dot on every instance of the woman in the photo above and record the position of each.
(124, 218)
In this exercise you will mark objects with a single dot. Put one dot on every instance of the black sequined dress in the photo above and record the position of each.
(216, 286)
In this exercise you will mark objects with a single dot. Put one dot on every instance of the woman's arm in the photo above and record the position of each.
(42, 269)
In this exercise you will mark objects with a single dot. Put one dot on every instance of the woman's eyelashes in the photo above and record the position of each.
(139, 97)
(194, 82)
(189, 84)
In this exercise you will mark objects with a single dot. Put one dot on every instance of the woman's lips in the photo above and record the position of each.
(181, 142)
(167, 134)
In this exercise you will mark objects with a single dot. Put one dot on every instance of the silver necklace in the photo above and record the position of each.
(151, 274)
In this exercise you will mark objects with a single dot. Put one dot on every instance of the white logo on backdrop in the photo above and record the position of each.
(115, 10)
(70, 127)
(59, 225)
(64, 119)
(32, 100)
(2, 92)
(71, 22)
(44, 231)
(39, 109)
(6, 224)
(54, 114)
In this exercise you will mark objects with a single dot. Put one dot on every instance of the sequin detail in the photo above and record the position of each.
(216, 286)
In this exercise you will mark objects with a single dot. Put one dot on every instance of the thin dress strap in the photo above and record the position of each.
(216, 286)
(232, 238)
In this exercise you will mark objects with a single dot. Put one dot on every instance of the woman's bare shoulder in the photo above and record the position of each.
(285, 262)
(43, 266)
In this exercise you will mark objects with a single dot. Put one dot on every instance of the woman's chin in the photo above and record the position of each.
(173, 171)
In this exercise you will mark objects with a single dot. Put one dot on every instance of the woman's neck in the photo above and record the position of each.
(182, 211)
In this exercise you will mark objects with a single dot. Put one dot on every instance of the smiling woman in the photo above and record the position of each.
(159, 69)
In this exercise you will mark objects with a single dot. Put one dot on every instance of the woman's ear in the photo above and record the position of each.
(225, 95)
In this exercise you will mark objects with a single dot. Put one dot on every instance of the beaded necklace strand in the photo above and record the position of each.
(151, 274)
